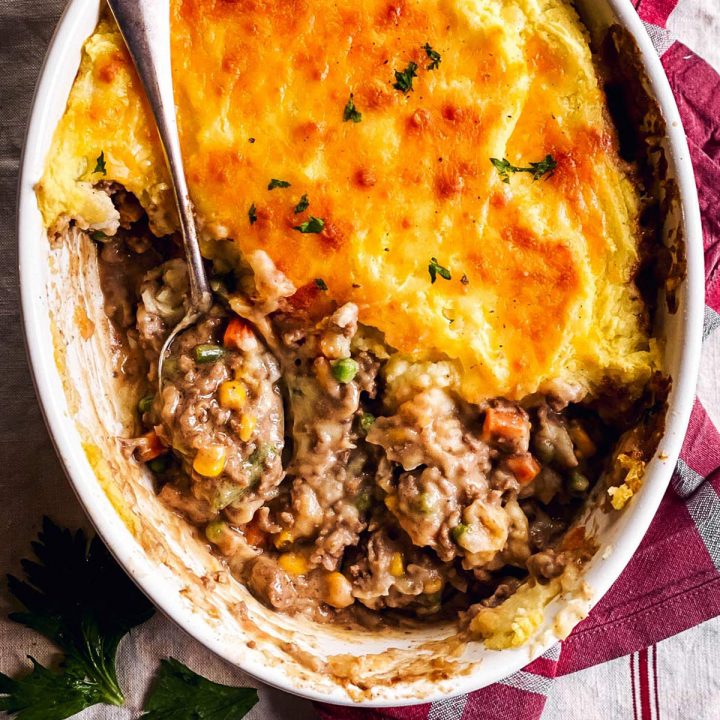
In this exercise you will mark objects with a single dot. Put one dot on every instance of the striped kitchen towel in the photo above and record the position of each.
(673, 581)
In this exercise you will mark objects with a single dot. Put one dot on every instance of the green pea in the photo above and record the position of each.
(158, 465)
(145, 403)
(363, 501)
(366, 422)
(458, 531)
(579, 484)
(344, 370)
(424, 504)
(214, 530)
(170, 367)
(207, 353)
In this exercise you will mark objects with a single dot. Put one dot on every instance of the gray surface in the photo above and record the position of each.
(32, 482)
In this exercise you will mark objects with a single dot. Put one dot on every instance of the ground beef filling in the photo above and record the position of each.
(334, 477)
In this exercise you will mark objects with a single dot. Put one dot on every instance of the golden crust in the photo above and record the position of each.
(541, 271)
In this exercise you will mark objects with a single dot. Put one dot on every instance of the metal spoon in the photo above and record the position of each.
(145, 26)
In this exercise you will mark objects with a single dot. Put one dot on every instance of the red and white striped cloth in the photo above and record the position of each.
(673, 581)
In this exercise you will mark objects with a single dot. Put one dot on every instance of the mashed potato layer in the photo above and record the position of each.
(383, 118)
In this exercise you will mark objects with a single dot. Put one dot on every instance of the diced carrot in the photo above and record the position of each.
(149, 447)
(504, 424)
(237, 329)
(254, 535)
(524, 467)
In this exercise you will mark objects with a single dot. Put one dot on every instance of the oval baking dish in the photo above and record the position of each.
(71, 356)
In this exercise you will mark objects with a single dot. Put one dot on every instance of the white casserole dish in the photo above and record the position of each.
(84, 411)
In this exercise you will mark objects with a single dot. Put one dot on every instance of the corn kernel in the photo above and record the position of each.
(233, 395)
(247, 426)
(210, 460)
(391, 503)
(283, 539)
(433, 586)
(397, 569)
(293, 563)
(338, 590)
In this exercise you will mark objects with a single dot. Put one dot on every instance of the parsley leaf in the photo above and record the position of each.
(278, 184)
(49, 695)
(404, 79)
(313, 225)
(536, 169)
(252, 214)
(321, 284)
(100, 164)
(434, 56)
(435, 269)
(181, 694)
(351, 112)
(79, 598)
(303, 205)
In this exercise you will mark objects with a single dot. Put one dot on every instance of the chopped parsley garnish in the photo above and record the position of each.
(303, 205)
(274, 183)
(98, 236)
(313, 225)
(536, 169)
(351, 113)
(321, 284)
(435, 269)
(100, 164)
(181, 694)
(252, 214)
(79, 598)
(404, 79)
(434, 56)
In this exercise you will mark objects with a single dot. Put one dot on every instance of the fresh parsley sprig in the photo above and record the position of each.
(79, 598)
(275, 183)
(181, 694)
(536, 169)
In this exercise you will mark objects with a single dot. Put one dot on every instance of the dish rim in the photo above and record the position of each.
(122, 544)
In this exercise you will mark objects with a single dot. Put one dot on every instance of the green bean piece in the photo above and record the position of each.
(579, 484)
(208, 353)
(458, 531)
(145, 403)
(344, 370)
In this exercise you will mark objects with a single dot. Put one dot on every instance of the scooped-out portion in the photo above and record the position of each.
(337, 477)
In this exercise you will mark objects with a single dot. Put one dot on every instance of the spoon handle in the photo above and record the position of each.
(145, 26)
